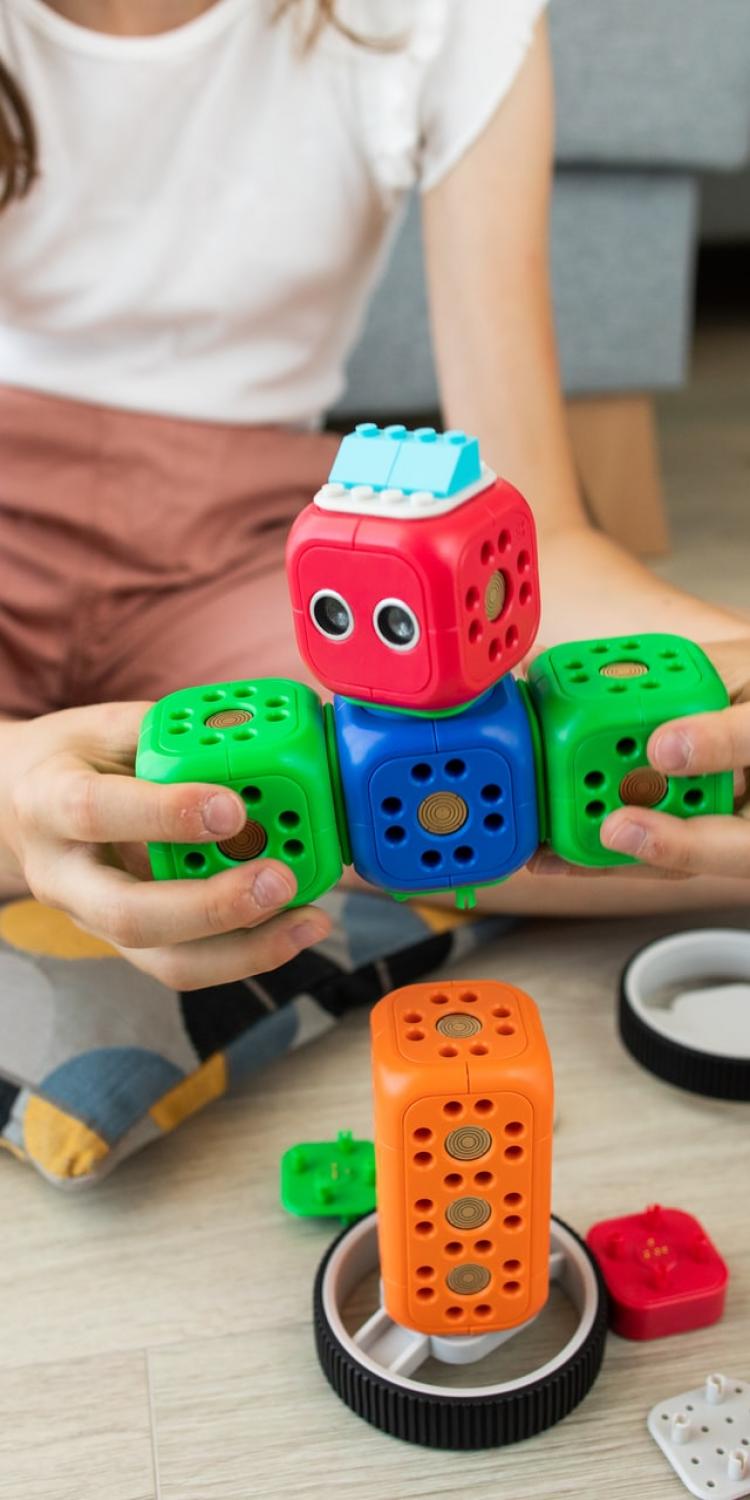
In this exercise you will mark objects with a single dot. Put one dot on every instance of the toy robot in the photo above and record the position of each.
(415, 593)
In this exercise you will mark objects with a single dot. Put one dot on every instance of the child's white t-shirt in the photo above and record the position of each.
(215, 204)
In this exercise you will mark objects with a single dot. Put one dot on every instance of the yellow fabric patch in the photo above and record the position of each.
(441, 918)
(40, 929)
(58, 1143)
(208, 1082)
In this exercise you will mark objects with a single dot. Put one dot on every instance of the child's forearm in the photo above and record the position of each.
(590, 586)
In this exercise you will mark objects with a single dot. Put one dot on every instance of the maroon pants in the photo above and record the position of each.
(141, 553)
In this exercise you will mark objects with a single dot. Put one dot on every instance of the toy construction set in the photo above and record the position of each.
(434, 769)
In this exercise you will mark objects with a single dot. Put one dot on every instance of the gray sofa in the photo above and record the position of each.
(650, 94)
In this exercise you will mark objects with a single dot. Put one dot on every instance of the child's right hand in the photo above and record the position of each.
(74, 821)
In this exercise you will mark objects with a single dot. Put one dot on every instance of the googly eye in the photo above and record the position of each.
(396, 624)
(331, 615)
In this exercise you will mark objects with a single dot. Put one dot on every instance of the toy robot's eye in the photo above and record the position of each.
(396, 624)
(331, 614)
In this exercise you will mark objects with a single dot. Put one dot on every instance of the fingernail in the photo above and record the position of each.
(673, 750)
(220, 814)
(271, 889)
(306, 933)
(625, 837)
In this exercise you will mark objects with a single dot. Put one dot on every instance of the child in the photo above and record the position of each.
(198, 199)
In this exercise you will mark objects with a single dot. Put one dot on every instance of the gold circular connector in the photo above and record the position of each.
(623, 669)
(644, 787)
(468, 1142)
(442, 812)
(468, 1279)
(468, 1213)
(228, 718)
(247, 844)
(494, 595)
(459, 1025)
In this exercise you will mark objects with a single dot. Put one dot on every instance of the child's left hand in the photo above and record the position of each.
(686, 747)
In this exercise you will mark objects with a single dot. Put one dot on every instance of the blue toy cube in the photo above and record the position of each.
(444, 803)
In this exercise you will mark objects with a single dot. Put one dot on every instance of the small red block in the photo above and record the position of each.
(662, 1272)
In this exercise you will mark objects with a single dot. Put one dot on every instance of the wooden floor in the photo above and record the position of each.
(156, 1336)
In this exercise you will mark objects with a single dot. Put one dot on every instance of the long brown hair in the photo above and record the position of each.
(19, 146)
(18, 142)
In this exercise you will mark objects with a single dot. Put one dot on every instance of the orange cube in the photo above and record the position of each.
(463, 1090)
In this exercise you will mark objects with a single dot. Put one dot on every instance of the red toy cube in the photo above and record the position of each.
(662, 1272)
(413, 604)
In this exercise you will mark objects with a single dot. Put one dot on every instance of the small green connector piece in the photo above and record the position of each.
(465, 896)
(597, 703)
(336, 1180)
(266, 739)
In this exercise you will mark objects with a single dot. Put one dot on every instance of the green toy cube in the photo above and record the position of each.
(268, 740)
(597, 703)
(329, 1178)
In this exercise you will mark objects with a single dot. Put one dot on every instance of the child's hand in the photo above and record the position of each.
(75, 821)
(688, 747)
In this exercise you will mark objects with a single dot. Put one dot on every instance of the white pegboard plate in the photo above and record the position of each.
(363, 500)
(705, 1435)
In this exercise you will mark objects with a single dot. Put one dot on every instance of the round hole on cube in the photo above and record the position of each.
(524, 561)
(431, 859)
(421, 771)
(391, 806)
(595, 809)
(593, 780)
(511, 637)
(472, 598)
(293, 848)
(524, 593)
(455, 767)
(487, 553)
(694, 797)
(475, 632)
(289, 819)
(252, 793)
(195, 860)
(464, 854)
(504, 541)
(626, 746)
(491, 792)
(395, 834)
(494, 822)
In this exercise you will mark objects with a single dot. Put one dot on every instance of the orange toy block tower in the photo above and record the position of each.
(463, 1091)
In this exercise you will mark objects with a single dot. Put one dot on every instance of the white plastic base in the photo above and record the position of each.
(388, 1349)
(363, 500)
(705, 1434)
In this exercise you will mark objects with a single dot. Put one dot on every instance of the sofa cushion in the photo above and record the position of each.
(652, 81)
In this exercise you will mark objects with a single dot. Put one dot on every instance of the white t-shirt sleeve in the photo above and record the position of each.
(483, 48)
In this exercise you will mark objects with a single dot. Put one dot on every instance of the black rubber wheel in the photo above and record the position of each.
(451, 1419)
(713, 1075)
